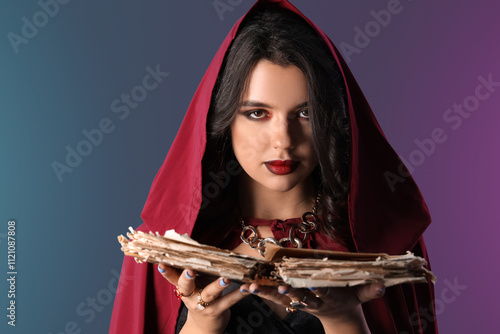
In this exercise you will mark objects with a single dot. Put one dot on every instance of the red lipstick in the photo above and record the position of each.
(282, 167)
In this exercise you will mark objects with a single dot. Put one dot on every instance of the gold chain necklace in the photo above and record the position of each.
(308, 225)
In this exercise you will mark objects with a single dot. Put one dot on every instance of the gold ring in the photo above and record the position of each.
(299, 304)
(201, 303)
(179, 294)
(291, 309)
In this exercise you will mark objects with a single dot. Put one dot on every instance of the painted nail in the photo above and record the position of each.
(223, 282)
(256, 291)
(313, 289)
(161, 270)
(284, 292)
(243, 290)
(187, 275)
(381, 290)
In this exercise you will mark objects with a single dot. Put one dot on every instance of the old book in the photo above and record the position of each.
(296, 267)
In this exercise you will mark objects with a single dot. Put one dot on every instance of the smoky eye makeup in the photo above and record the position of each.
(258, 115)
(255, 114)
(304, 113)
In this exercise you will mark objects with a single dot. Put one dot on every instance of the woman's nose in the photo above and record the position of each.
(282, 133)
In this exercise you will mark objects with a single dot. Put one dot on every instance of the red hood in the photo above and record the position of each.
(382, 219)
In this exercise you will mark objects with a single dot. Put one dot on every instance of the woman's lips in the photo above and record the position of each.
(282, 167)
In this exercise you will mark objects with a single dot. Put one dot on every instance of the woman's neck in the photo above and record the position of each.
(256, 201)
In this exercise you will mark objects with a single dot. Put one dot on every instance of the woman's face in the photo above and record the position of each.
(271, 133)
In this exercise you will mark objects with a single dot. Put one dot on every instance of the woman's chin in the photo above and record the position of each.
(283, 183)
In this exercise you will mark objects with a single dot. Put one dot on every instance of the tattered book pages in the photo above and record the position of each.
(296, 267)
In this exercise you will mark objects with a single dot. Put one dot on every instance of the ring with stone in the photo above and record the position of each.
(179, 294)
(299, 304)
(201, 303)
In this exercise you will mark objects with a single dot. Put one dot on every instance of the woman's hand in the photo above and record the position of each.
(211, 313)
(338, 309)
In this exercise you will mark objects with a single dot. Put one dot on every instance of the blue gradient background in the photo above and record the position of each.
(65, 78)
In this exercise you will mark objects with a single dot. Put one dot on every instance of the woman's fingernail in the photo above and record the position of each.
(188, 275)
(313, 289)
(381, 290)
(284, 292)
(223, 282)
(244, 290)
(256, 291)
(161, 270)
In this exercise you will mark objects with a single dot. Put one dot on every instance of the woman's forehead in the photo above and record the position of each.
(271, 85)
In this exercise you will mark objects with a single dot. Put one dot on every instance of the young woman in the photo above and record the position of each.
(278, 128)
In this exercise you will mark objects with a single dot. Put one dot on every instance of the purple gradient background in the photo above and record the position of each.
(427, 59)
(63, 81)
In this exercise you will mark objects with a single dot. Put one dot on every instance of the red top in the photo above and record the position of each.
(382, 218)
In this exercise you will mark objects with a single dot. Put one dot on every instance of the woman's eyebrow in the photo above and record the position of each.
(253, 103)
(301, 105)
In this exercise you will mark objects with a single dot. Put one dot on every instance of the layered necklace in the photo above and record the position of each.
(309, 224)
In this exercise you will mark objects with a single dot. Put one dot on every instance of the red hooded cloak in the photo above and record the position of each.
(381, 218)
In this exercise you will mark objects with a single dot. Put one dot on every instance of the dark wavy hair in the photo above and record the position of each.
(282, 37)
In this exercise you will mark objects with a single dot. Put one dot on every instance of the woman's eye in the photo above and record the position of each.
(257, 114)
(304, 113)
